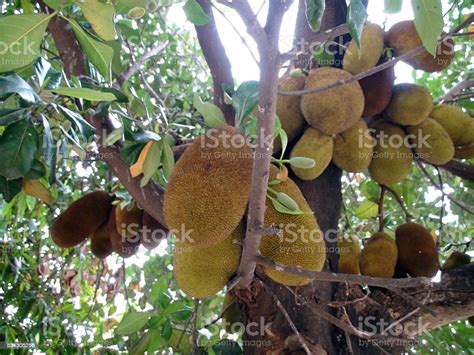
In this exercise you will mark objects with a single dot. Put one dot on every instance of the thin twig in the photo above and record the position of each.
(194, 328)
(99, 275)
(400, 320)
(381, 212)
(408, 216)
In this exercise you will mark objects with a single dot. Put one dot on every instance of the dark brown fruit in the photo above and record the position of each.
(455, 260)
(417, 252)
(152, 232)
(81, 219)
(123, 246)
(101, 245)
(377, 90)
(128, 220)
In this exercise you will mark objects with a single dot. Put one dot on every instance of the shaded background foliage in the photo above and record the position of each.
(63, 300)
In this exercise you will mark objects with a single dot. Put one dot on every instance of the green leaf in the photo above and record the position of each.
(428, 22)
(367, 209)
(195, 13)
(77, 120)
(132, 322)
(131, 152)
(13, 84)
(113, 137)
(56, 4)
(392, 6)
(287, 201)
(142, 346)
(245, 99)
(48, 143)
(11, 115)
(314, 13)
(227, 347)
(98, 53)
(117, 66)
(18, 144)
(136, 13)
(10, 188)
(282, 208)
(370, 190)
(101, 18)
(20, 38)
(356, 17)
(284, 141)
(152, 162)
(167, 330)
(302, 162)
(124, 6)
(37, 171)
(86, 94)
(213, 116)
(167, 159)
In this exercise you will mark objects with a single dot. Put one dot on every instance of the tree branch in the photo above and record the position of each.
(457, 89)
(464, 171)
(216, 59)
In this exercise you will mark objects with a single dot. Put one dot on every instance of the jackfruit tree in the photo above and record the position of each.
(152, 201)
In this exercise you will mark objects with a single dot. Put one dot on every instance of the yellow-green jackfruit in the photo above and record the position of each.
(332, 111)
(410, 105)
(379, 256)
(314, 145)
(353, 149)
(349, 255)
(458, 124)
(209, 188)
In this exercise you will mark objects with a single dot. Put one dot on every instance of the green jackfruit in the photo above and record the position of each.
(458, 124)
(300, 241)
(81, 219)
(432, 143)
(209, 188)
(332, 111)
(349, 255)
(379, 256)
(101, 245)
(314, 145)
(353, 149)
(417, 252)
(392, 158)
(288, 108)
(371, 49)
(377, 90)
(203, 271)
(455, 260)
(403, 37)
(410, 105)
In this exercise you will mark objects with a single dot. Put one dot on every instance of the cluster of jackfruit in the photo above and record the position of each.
(328, 126)
(110, 227)
(204, 206)
(413, 252)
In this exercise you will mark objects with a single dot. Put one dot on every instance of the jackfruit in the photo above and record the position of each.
(392, 159)
(152, 232)
(455, 260)
(371, 49)
(417, 252)
(410, 105)
(81, 219)
(349, 255)
(209, 187)
(379, 256)
(300, 242)
(353, 148)
(403, 37)
(377, 89)
(122, 245)
(431, 142)
(203, 271)
(101, 245)
(232, 313)
(128, 220)
(332, 111)
(458, 124)
(466, 152)
(288, 108)
(314, 145)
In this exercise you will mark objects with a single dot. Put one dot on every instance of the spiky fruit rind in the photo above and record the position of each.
(209, 188)
(81, 219)
(403, 37)
(353, 149)
(332, 111)
(300, 242)
(455, 260)
(203, 271)
(349, 255)
(379, 256)
(314, 145)
(391, 162)
(152, 233)
(122, 245)
(431, 142)
(101, 245)
(417, 252)
(410, 104)
(458, 124)
(288, 108)
(377, 89)
(371, 49)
